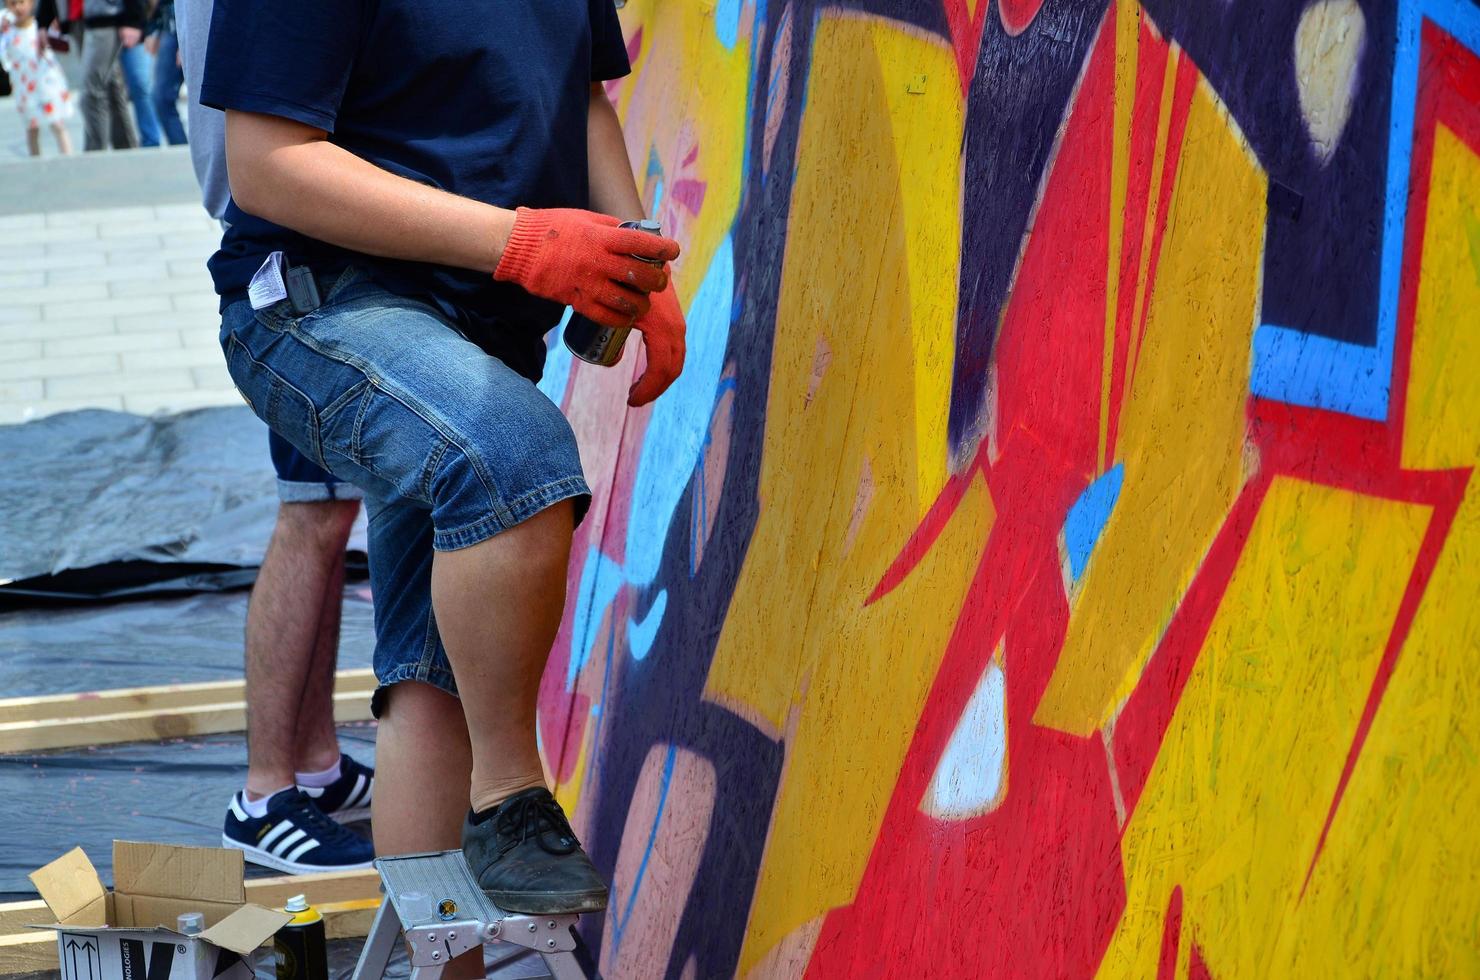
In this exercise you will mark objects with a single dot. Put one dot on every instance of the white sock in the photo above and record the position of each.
(257, 809)
(319, 780)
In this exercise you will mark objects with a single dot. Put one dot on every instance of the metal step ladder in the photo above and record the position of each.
(435, 901)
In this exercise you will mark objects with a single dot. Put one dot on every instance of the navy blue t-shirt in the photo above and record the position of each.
(486, 99)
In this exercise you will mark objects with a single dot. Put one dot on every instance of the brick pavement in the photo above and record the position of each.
(108, 308)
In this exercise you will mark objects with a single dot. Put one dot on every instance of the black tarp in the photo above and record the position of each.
(103, 505)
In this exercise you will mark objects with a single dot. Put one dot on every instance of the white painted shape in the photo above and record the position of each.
(1328, 45)
(968, 780)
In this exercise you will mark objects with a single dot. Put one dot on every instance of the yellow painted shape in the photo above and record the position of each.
(1441, 429)
(1127, 55)
(568, 794)
(688, 90)
(927, 130)
(800, 649)
(1183, 425)
(1394, 893)
(1153, 206)
(1239, 792)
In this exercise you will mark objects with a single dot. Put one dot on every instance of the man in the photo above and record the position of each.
(296, 775)
(384, 310)
(109, 27)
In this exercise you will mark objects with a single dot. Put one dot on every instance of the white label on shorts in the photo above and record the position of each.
(266, 287)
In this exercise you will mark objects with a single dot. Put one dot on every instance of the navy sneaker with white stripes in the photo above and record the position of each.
(294, 836)
(348, 797)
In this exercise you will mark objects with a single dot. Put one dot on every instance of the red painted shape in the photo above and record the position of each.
(1034, 887)
(924, 536)
(966, 36)
(1197, 968)
(1171, 937)
(1017, 14)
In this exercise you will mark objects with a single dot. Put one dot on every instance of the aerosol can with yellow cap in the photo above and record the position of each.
(302, 952)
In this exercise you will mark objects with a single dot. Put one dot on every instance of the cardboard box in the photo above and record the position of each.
(130, 933)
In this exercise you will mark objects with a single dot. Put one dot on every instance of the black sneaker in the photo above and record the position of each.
(348, 797)
(526, 858)
(295, 837)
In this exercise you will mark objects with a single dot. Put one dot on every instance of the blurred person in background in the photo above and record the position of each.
(163, 44)
(41, 92)
(101, 30)
(138, 78)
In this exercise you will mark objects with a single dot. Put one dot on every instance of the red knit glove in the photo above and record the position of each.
(584, 260)
(663, 338)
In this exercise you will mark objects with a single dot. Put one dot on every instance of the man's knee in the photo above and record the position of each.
(317, 525)
(423, 715)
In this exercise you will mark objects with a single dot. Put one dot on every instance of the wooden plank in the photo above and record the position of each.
(349, 920)
(150, 725)
(16, 916)
(28, 952)
(36, 950)
(322, 888)
(171, 697)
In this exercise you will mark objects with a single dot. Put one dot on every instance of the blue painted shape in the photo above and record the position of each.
(969, 776)
(619, 924)
(601, 580)
(679, 426)
(640, 636)
(558, 359)
(1087, 518)
(727, 22)
(1314, 371)
(657, 197)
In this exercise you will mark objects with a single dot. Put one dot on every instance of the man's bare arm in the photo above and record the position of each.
(290, 174)
(613, 190)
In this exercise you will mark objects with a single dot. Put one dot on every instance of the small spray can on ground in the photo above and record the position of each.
(300, 947)
(589, 340)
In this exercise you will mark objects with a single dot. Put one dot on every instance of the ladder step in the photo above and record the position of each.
(443, 877)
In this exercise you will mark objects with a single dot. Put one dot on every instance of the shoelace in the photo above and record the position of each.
(538, 817)
(311, 820)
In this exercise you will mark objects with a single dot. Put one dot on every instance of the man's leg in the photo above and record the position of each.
(495, 470)
(290, 653)
(498, 659)
(98, 56)
(138, 73)
(297, 778)
(317, 741)
(422, 761)
(120, 120)
(166, 89)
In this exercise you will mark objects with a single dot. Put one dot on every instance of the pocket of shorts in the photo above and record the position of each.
(277, 317)
(285, 409)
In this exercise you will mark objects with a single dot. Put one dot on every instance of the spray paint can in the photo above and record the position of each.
(589, 340)
(302, 953)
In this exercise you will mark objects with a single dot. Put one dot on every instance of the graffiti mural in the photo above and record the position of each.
(1059, 556)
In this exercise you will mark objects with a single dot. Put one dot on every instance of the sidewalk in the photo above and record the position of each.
(106, 307)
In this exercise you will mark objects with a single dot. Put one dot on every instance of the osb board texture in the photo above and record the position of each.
(1058, 557)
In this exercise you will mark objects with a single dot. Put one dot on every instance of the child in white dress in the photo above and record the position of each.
(35, 76)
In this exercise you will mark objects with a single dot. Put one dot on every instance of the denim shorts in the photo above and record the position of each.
(302, 481)
(448, 443)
